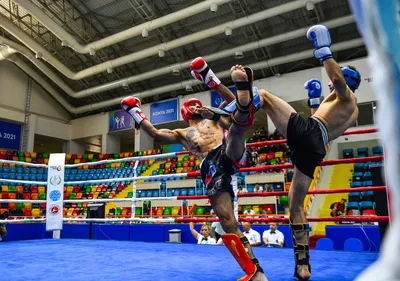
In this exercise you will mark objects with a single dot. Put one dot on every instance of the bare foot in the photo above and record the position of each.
(238, 74)
(259, 277)
(303, 271)
(205, 113)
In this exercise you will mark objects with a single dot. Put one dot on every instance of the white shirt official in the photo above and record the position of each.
(251, 212)
(205, 241)
(253, 236)
(273, 238)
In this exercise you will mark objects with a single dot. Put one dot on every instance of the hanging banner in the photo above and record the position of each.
(119, 120)
(10, 135)
(163, 112)
(216, 99)
(55, 192)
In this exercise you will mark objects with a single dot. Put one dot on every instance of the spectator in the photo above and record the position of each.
(242, 189)
(3, 229)
(249, 211)
(258, 188)
(338, 208)
(273, 237)
(204, 237)
(267, 188)
(252, 235)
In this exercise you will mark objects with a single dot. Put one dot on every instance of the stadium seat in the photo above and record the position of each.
(367, 176)
(359, 167)
(348, 153)
(377, 150)
(362, 152)
(367, 196)
(353, 208)
(367, 205)
(356, 184)
(358, 176)
(354, 196)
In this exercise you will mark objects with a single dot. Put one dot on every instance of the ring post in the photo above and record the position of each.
(55, 191)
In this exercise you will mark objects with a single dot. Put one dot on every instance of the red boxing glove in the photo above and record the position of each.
(201, 71)
(132, 106)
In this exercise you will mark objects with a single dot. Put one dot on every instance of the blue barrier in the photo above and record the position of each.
(339, 234)
(160, 233)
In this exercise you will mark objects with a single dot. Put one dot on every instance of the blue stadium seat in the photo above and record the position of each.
(33, 177)
(367, 176)
(162, 194)
(377, 150)
(142, 194)
(367, 183)
(358, 176)
(348, 153)
(40, 177)
(13, 170)
(184, 192)
(26, 177)
(27, 170)
(156, 193)
(199, 191)
(362, 151)
(74, 171)
(169, 193)
(191, 192)
(80, 172)
(6, 169)
(367, 205)
(352, 205)
(359, 167)
(356, 184)
(12, 176)
(149, 193)
(354, 196)
(177, 192)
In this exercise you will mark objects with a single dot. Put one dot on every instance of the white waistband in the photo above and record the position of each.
(323, 129)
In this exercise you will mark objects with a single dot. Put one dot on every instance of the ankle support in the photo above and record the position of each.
(300, 248)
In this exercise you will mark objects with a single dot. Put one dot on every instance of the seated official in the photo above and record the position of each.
(273, 237)
(204, 237)
(252, 235)
(3, 229)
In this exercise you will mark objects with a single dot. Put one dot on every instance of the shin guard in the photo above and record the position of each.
(300, 248)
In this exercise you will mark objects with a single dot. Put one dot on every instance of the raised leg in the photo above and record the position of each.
(297, 193)
(277, 109)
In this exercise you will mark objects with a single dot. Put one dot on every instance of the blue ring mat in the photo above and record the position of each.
(87, 260)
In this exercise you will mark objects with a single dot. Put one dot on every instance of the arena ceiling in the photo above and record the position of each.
(58, 39)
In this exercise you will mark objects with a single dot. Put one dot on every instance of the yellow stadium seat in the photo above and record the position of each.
(77, 161)
(151, 162)
(28, 160)
(36, 212)
(113, 165)
(70, 211)
(180, 158)
(279, 154)
(90, 156)
(68, 156)
(41, 189)
(126, 154)
(179, 170)
(94, 188)
(95, 195)
(12, 165)
(70, 189)
(28, 206)
(118, 165)
(33, 154)
(175, 210)
(46, 161)
(4, 188)
(86, 167)
(168, 165)
(256, 209)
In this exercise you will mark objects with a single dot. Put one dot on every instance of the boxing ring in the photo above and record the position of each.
(77, 259)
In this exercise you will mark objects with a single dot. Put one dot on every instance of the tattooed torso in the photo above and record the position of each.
(202, 138)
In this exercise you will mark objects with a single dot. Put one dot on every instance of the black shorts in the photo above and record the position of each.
(217, 170)
(306, 138)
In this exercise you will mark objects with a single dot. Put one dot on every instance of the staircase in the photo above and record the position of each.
(340, 178)
(129, 188)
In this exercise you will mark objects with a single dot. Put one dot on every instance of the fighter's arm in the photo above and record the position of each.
(166, 135)
(336, 76)
(319, 34)
(193, 231)
(202, 72)
(132, 106)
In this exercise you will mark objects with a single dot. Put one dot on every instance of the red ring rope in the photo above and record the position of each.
(275, 219)
(283, 193)
(288, 166)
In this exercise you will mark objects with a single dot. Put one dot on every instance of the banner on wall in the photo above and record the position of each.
(55, 192)
(216, 99)
(163, 112)
(119, 120)
(10, 135)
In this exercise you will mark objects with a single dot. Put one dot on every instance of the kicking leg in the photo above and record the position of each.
(297, 193)
(222, 205)
(277, 109)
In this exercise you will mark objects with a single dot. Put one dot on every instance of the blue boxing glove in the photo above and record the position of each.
(319, 34)
(314, 92)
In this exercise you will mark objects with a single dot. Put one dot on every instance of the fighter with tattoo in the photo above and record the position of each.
(222, 152)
